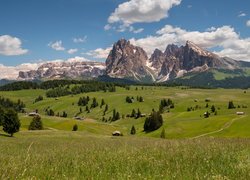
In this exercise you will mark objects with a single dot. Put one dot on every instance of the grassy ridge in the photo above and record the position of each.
(79, 155)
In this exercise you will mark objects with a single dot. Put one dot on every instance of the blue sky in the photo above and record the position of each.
(42, 30)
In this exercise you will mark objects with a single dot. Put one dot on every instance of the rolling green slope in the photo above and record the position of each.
(216, 78)
(178, 123)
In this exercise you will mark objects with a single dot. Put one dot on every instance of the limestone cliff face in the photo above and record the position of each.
(127, 60)
(60, 70)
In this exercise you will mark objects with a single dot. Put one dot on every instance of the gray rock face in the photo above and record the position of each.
(178, 60)
(58, 70)
(127, 60)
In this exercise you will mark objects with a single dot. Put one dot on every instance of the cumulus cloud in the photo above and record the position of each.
(99, 53)
(248, 23)
(11, 72)
(140, 11)
(225, 37)
(80, 39)
(72, 51)
(242, 14)
(58, 46)
(11, 46)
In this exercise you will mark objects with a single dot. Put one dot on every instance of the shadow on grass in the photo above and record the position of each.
(4, 135)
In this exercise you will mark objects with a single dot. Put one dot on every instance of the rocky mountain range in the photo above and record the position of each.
(127, 61)
(60, 70)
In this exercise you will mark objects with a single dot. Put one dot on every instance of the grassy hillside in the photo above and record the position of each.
(178, 123)
(216, 78)
(80, 155)
(197, 148)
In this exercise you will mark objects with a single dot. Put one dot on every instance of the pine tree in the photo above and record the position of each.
(102, 103)
(75, 127)
(117, 116)
(163, 133)
(213, 108)
(138, 113)
(64, 114)
(114, 115)
(133, 130)
(11, 123)
(133, 114)
(231, 105)
(36, 124)
(153, 122)
(87, 109)
(94, 103)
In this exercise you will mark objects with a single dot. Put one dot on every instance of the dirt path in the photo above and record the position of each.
(225, 126)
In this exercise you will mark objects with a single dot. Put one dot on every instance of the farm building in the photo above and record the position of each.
(240, 113)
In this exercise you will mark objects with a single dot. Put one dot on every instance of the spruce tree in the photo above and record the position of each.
(36, 124)
(11, 122)
(163, 133)
(213, 108)
(133, 130)
(75, 127)
(231, 105)
(102, 103)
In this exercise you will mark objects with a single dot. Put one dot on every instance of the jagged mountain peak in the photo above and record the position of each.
(198, 49)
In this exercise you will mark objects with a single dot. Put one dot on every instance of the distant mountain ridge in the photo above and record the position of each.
(127, 61)
(60, 70)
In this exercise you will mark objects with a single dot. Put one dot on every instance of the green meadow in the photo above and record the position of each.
(195, 147)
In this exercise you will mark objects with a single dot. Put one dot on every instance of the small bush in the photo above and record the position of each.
(75, 127)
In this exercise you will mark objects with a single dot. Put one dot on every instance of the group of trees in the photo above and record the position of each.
(153, 122)
(116, 115)
(81, 88)
(83, 101)
(7, 103)
(131, 99)
(165, 104)
(135, 114)
(36, 123)
(19, 85)
(39, 98)
(50, 112)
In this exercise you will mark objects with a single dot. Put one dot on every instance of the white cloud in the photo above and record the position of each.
(72, 51)
(138, 30)
(140, 11)
(224, 37)
(11, 46)
(80, 39)
(107, 27)
(189, 6)
(58, 46)
(11, 72)
(211, 29)
(242, 14)
(99, 53)
(248, 23)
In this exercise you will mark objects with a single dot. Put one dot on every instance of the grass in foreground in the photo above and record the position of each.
(79, 155)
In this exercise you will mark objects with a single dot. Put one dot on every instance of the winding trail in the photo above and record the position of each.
(225, 126)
